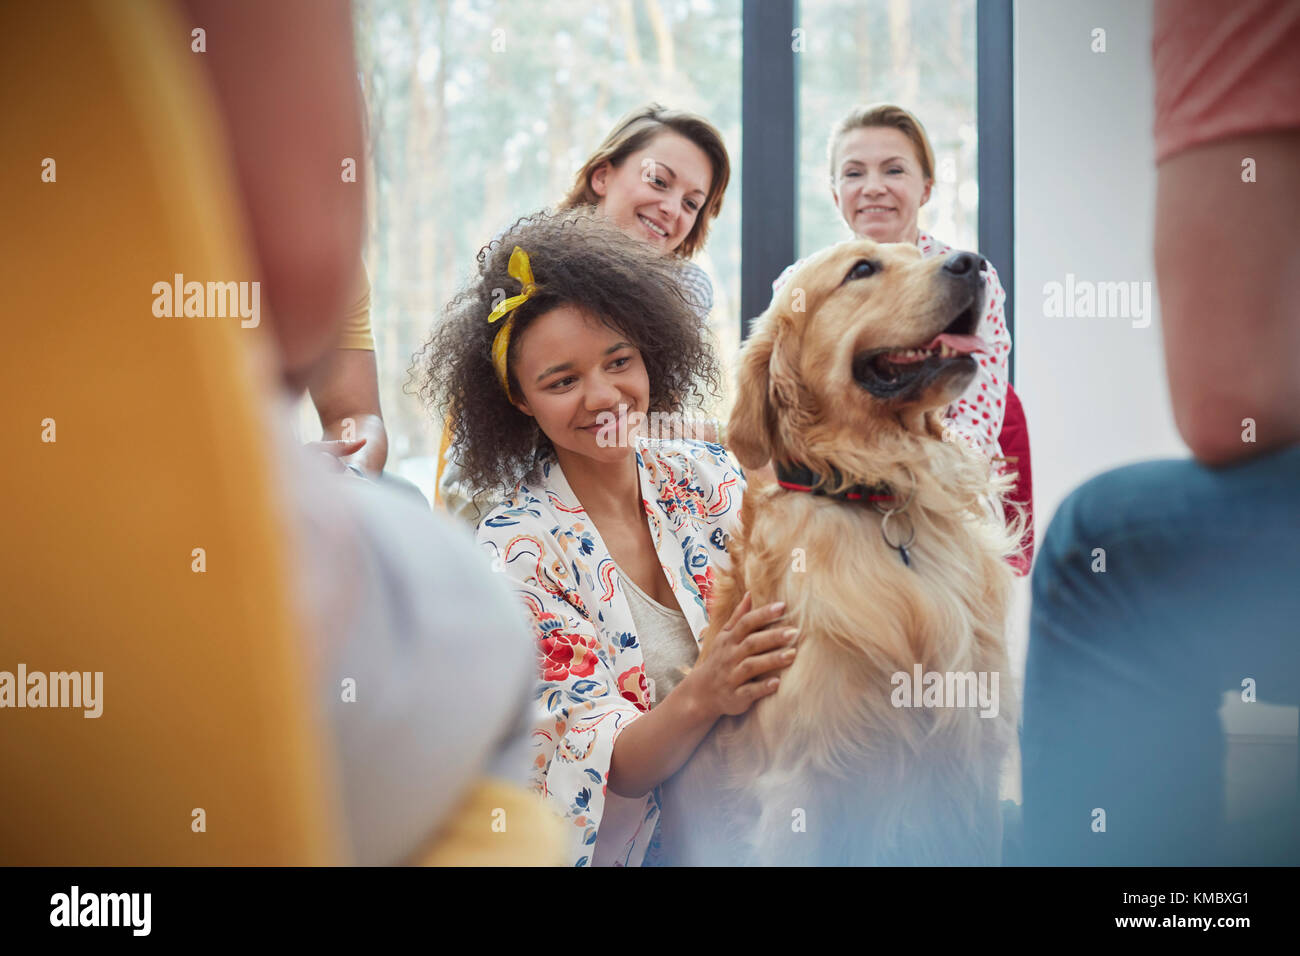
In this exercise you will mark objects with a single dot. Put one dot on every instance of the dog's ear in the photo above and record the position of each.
(753, 419)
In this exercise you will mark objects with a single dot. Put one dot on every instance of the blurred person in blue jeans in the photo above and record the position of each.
(1201, 587)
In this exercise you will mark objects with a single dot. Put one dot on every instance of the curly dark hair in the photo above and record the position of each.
(580, 260)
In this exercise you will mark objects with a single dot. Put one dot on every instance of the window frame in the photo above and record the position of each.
(769, 122)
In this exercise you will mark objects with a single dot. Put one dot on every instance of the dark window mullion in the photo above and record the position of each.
(769, 152)
(996, 132)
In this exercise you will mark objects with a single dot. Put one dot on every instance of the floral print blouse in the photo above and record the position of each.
(593, 682)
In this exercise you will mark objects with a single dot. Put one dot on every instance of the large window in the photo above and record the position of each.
(481, 111)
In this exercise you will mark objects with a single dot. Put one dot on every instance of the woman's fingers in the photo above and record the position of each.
(757, 665)
(745, 604)
(759, 618)
(337, 448)
(755, 652)
(756, 689)
(770, 639)
(340, 448)
(746, 619)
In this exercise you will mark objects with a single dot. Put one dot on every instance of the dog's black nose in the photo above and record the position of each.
(963, 263)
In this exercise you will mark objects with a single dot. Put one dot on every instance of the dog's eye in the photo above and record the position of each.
(862, 269)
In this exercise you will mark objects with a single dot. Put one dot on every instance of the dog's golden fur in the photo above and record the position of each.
(827, 770)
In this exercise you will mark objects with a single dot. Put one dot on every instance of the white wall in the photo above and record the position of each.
(1093, 388)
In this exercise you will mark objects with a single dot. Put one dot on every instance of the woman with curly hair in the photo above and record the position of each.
(659, 176)
(554, 357)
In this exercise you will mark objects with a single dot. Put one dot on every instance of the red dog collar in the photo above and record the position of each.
(797, 477)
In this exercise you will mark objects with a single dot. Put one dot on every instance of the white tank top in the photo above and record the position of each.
(667, 644)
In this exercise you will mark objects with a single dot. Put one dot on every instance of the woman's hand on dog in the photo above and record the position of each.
(737, 670)
(742, 660)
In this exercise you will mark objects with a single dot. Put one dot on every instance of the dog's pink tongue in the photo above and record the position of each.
(959, 343)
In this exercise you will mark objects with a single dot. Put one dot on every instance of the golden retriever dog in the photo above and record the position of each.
(885, 741)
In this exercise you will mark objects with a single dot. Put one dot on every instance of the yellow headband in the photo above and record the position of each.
(520, 269)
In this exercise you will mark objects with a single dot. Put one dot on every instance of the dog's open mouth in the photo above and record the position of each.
(903, 373)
